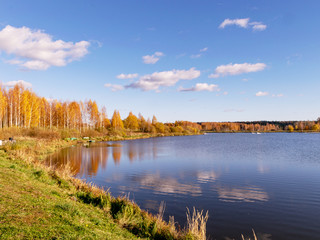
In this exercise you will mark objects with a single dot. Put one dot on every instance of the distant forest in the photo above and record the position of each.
(261, 126)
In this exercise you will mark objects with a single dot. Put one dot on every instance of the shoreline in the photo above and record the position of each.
(262, 132)
(30, 153)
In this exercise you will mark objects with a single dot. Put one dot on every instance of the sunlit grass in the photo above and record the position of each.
(197, 222)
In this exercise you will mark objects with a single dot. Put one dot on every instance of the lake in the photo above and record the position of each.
(268, 182)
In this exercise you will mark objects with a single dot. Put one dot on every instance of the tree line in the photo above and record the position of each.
(261, 126)
(21, 107)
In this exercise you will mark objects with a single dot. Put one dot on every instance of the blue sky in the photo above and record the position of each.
(180, 60)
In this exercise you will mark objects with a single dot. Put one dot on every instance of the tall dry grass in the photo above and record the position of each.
(196, 223)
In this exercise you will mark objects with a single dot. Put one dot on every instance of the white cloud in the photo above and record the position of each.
(164, 79)
(258, 26)
(236, 69)
(201, 87)
(262, 94)
(127, 76)
(13, 83)
(199, 54)
(114, 87)
(241, 22)
(152, 59)
(34, 49)
(204, 49)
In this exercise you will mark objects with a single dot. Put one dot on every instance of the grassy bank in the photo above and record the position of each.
(94, 134)
(38, 202)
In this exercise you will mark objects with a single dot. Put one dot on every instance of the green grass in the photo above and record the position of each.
(33, 205)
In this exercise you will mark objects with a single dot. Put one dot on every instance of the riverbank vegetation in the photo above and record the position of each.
(39, 202)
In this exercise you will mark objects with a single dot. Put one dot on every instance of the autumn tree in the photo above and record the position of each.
(74, 114)
(94, 114)
(116, 122)
(104, 117)
(154, 120)
(143, 125)
(58, 114)
(316, 127)
(290, 128)
(131, 122)
(3, 105)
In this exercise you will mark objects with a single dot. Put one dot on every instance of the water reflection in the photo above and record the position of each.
(116, 154)
(262, 168)
(207, 176)
(242, 194)
(85, 160)
(151, 204)
(260, 236)
(166, 184)
(81, 160)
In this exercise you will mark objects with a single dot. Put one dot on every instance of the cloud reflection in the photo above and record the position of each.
(245, 194)
(207, 176)
(166, 185)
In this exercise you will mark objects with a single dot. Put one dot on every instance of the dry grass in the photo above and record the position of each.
(197, 222)
(172, 224)
(254, 236)
(162, 208)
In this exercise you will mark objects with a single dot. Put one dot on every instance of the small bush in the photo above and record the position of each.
(102, 200)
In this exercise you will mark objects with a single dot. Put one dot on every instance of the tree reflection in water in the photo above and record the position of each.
(86, 159)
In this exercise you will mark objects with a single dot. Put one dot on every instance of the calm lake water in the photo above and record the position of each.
(269, 182)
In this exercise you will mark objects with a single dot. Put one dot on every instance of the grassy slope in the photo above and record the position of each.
(37, 202)
(33, 205)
